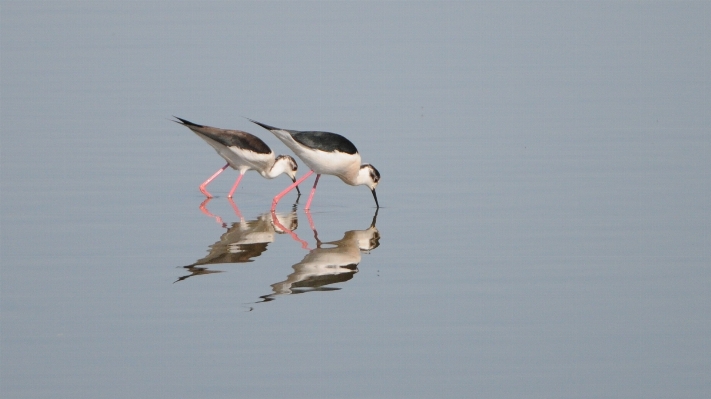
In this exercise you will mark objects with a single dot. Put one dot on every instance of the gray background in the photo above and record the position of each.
(545, 189)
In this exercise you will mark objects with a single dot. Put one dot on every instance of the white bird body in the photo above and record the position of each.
(243, 152)
(242, 160)
(335, 163)
(326, 153)
(345, 167)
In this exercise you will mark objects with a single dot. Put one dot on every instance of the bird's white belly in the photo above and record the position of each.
(331, 163)
(238, 158)
(251, 160)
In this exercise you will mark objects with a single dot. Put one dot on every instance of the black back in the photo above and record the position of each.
(325, 141)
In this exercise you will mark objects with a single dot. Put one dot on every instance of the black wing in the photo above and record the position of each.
(325, 141)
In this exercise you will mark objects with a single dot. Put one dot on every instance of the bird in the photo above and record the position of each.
(325, 153)
(242, 151)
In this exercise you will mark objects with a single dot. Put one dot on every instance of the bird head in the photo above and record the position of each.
(286, 164)
(370, 177)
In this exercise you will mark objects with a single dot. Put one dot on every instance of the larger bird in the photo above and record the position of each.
(326, 154)
(242, 151)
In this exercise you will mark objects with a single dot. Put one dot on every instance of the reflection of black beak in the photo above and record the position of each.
(293, 179)
(376, 198)
(375, 217)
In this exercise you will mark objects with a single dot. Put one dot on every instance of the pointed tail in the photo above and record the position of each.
(264, 125)
(186, 122)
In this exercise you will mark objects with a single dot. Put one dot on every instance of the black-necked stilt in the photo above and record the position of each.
(326, 153)
(242, 151)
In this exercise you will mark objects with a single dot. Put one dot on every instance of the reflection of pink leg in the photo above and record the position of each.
(203, 186)
(203, 209)
(236, 184)
(293, 235)
(291, 187)
(313, 227)
(234, 207)
(313, 191)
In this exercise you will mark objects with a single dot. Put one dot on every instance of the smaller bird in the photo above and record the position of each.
(325, 153)
(242, 151)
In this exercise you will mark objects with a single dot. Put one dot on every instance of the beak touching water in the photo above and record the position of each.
(376, 198)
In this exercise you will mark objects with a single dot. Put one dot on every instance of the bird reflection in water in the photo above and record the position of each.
(329, 263)
(243, 241)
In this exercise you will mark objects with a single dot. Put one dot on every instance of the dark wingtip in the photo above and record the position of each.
(185, 122)
(264, 125)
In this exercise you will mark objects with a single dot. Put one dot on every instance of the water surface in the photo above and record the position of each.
(545, 192)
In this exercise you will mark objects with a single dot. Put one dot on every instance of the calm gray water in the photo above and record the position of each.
(545, 224)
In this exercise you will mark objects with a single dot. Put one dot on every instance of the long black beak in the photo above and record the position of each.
(297, 187)
(376, 198)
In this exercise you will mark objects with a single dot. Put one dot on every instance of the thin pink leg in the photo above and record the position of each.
(203, 186)
(313, 227)
(291, 187)
(235, 186)
(310, 219)
(313, 191)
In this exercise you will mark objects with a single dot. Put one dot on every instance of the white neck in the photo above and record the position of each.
(272, 171)
(363, 178)
(277, 168)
